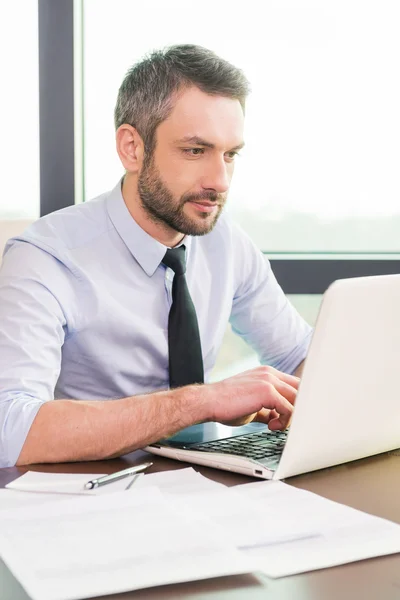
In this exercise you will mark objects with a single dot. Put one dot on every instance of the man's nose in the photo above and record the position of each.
(217, 177)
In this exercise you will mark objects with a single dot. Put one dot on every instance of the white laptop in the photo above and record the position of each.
(348, 403)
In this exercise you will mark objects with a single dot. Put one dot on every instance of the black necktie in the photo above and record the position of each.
(185, 358)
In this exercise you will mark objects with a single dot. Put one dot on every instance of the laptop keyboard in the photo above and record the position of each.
(263, 446)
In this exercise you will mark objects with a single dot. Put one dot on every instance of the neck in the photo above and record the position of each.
(159, 231)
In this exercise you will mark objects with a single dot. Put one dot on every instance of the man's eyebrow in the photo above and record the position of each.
(194, 139)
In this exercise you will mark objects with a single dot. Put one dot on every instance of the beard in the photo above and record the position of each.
(162, 208)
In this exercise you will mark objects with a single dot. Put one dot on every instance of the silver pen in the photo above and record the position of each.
(94, 483)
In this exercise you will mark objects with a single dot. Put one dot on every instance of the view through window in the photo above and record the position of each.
(19, 110)
(319, 171)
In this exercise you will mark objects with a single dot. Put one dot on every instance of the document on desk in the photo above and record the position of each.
(315, 532)
(88, 546)
(175, 482)
(179, 481)
(64, 483)
(15, 499)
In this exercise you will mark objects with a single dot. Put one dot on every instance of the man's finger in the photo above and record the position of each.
(266, 415)
(280, 423)
(267, 372)
(282, 406)
(285, 390)
(290, 379)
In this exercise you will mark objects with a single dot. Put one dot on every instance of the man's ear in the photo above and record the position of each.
(130, 148)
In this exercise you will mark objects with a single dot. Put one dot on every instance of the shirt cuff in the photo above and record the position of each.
(21, 413)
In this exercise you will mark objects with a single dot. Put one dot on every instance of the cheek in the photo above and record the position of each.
(182, 177)
(230, 167)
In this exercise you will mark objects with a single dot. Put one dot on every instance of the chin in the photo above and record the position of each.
(200, 228)
(199, 225)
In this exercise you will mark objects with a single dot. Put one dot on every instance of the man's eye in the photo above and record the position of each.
(232, 155)
(194, 151)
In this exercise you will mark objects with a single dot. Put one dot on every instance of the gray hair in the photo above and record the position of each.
(147, 94)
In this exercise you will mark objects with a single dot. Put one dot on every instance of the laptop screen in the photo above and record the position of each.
(208, 432)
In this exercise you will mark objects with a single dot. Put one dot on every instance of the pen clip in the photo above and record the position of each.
(133, 480)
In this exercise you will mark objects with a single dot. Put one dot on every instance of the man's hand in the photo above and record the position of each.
(261, 394)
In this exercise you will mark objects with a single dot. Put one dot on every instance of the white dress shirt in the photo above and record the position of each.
(84, 305)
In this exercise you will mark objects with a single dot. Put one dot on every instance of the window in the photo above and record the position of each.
(19, 110)
(319, 172)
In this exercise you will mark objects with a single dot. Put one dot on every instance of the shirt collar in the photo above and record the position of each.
(146, 250)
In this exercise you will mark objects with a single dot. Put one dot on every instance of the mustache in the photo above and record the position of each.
(211, 196)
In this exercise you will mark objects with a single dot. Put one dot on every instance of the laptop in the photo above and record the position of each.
(348, 402)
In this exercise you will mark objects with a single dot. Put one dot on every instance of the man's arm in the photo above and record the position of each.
(261, 312)
(70, 430)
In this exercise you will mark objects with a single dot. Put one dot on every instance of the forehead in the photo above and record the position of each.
(217, 119)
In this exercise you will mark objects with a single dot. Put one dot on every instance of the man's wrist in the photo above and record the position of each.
(196, 402)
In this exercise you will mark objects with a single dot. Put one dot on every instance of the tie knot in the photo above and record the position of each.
(175, 259)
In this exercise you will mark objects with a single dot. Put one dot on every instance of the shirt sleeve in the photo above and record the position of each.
(261, 313)
(32, 330)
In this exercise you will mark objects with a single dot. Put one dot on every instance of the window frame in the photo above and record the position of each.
(56, 104)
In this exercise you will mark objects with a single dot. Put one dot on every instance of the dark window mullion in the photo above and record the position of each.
(56, 104)
(313, 276)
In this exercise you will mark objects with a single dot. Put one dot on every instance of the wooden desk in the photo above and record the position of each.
(371, 485)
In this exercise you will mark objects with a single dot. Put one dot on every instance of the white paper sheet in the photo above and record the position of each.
(65, 483)
(179, 481)
(84, 547)
(338, 534)
(240, 519)
(90, 546)
(48, 487)
(286, 530)
(15, 498)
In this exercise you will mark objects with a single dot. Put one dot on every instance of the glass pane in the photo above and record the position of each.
(320, 168)
(19, 110)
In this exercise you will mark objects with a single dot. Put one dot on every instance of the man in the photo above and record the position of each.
(86, 292)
